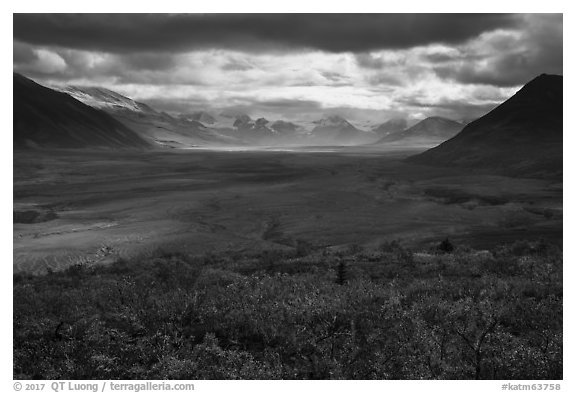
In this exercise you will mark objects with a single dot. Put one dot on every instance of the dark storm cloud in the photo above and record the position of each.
(512, 60)
(131, 68)
(441, 57)
(361, 65)
(121, 33)
(149, 61)
(507, 69)
(23, 54)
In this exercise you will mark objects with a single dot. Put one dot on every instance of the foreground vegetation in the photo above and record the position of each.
(355, 314)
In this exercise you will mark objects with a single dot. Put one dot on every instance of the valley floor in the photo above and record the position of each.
(91, 207)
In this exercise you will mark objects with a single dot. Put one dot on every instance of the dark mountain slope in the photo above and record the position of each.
(522, 136)
(47, 118)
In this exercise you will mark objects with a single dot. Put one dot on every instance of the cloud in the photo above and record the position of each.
(149, 61)
(386, 79)
(383, 66)
(122, 33)
(510, 58)
(334, 78)
(83, 67)
(451, 109)
(287, 103)
(23, 54)
(273, 109)
(383, 59)
(367, 60)
(439, 57)
(40, 60)
(178, 105)
(234, 64)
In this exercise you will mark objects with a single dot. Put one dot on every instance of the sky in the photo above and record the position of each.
(365, 67)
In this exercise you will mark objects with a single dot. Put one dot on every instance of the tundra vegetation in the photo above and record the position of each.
(445, 313)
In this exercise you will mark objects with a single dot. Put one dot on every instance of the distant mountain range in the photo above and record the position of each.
(225, 128)
(522, 136)
(285, 127)
(50, 119)
(390, 127)
(158, 128)
(335, 130)
(206, 129)
(430, 131)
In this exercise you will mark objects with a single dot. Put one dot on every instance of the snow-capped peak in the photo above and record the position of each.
(102, 98)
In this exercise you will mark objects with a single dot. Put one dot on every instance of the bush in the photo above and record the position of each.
(341, 273)
(171, 316)
(445, 246)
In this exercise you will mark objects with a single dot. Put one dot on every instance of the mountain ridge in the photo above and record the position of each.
(522, 136)
(431, 130)
(47, 118)
(159, 128)
(336, 130)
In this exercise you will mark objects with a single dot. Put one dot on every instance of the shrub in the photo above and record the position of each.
(341, 273)
(445, 246)
(446, 316)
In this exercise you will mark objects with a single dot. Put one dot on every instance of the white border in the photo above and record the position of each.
(307, 6)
